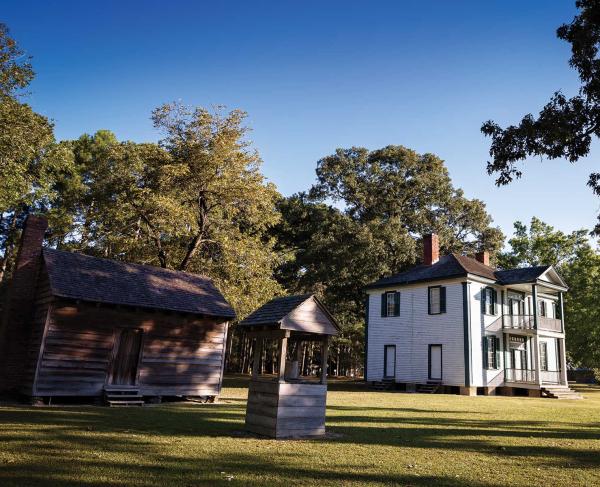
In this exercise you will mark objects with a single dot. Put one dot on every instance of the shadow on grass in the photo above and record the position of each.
(109, 447)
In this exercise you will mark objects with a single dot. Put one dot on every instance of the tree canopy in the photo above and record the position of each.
(566, 126)
(364, 218)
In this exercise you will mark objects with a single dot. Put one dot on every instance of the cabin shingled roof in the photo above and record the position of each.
(275, 310)
(455, 265)
(79, 276)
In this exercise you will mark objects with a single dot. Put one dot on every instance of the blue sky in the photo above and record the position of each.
(317, 75)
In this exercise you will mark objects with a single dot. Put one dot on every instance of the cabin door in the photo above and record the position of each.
(126, 357)
(435, 362)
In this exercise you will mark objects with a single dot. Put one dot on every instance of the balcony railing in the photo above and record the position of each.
(552, 324)
(520, 375)
(526, 322)
(519, 322)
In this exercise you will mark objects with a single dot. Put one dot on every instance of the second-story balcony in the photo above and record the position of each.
(527, 322)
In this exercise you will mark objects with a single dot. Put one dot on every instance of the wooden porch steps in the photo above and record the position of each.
(122, 396)
(430, 388)
(560, 392)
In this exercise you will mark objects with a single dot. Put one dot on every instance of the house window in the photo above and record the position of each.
(390, 304)
(544, 356)
(436, 300)
(488, 301)
(542, 308)
(491, 348)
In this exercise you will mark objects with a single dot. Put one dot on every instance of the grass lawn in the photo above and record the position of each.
(374, 439)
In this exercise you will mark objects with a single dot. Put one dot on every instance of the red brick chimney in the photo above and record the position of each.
(483, 257)
(431, 249)
(16, 322)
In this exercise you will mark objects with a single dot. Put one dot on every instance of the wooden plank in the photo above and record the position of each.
(301, 412)
(261, 420)
(302, 389)
(300, 423)
(286, 401)
(264, 386)
(300, 433)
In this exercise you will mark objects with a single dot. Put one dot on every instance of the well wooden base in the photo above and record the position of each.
(286, 410)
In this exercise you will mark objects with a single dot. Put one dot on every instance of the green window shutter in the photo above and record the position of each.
(442, 300)
(429, 300)
(485, 353)
(483, 299)
(384, 305)
(397, 304)
(497, 357)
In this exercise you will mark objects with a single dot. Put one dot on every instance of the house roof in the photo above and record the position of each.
(455, 265)
(275, 310)
(526, 274)
(301, 313)
(80, 276)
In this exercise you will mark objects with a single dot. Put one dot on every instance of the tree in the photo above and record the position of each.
(363, 219)
(541, 244)
(565, 127)
(195, 202)
(31, 164)
(582, 308)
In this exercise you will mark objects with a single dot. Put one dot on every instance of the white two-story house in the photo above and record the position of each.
(459, 325)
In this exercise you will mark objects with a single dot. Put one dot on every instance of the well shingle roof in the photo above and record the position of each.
(80, 276)
(275, 310)
(455, 265)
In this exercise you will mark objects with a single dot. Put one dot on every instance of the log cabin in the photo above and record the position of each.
(76, 325)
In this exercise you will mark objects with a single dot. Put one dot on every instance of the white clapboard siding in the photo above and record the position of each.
(413, 331)
(484, 325)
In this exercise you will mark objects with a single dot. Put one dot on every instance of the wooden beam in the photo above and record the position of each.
(270, 334)
(282, 356)
(257, 353)
(324, 353)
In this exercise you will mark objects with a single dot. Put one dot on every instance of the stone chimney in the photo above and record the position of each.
(431, 249)
(15, 325)
(483, 257)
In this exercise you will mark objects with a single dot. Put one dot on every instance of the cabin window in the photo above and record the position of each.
(542, 307)
(489, 298)
(491, 352)
(544, 356)
(390, 304)
(436, 300)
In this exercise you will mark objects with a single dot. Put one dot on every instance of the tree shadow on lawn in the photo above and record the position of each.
(147, 433)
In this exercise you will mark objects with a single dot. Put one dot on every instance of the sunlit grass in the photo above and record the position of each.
(374, 439)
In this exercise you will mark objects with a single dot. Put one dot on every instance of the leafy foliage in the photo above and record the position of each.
(565, 127)
(363, 219)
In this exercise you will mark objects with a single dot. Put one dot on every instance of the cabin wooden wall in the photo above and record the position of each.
(181, 354)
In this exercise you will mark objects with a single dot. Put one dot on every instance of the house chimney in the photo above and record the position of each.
(431, 249)
(483, 257)
(16, 323)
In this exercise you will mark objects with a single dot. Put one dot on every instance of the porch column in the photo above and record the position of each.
(537, 360)
(324, 350)
(258, 341)
(563, 362)
(562, 312)
(282, 357)
(535, 305)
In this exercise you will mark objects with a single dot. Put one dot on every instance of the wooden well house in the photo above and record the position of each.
(289, 404)
(77, 325)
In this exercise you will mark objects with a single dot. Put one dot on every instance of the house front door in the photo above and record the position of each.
(389, 364)
(126, 357)
(435, 362)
